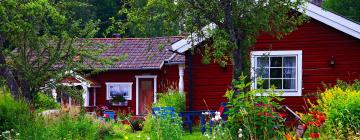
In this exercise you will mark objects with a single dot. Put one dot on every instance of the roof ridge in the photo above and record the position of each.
(137, 38)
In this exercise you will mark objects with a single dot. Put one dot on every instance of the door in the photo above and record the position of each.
(146, 95)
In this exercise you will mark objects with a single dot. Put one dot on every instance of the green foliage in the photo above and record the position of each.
(74, 128)
(347, 8)
(43, 102)
(164, 127)
(171, 98)
(16, 116)
(38, 36)
(341, 104)
(147, 18)
(251, 116)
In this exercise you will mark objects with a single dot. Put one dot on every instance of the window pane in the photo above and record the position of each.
(290, 61)
(262, 72)
(276, 61)
(275, 73)
(277, 83)
(289, 72)
(289, 83)
(265, 84)
(262, 62)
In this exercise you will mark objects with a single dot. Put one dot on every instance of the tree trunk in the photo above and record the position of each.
(25, 90)
(6, 73)
(237, 61)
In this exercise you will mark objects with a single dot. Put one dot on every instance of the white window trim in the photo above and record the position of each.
(108, 97)
(297, 53)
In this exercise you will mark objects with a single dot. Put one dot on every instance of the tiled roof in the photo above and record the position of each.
(141, 53)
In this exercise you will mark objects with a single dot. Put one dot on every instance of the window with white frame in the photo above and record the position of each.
(282, 69)
(118, 89)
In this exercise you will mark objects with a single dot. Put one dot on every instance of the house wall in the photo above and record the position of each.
(164, 77)
(318, 42)
(210, 81)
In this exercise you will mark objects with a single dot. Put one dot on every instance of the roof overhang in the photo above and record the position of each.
(340, 23)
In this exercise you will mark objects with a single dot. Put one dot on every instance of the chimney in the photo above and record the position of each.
(116, 35)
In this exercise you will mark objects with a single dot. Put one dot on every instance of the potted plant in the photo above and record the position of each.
(119, 100)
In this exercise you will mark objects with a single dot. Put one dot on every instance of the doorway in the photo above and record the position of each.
(145, 94)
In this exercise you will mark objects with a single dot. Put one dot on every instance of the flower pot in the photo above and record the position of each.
(315, 135)
(125, 103)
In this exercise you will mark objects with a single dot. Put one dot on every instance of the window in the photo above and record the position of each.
(282, 69)
(119, 89)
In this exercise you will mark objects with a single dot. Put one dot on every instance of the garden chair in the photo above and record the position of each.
(109, 114)
(163, 111)
(222, 109)
(301, 127)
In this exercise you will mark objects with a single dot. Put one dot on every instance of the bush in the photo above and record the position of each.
(251, 116)
(341, 104)
(16, 117)
(171, 98)
(43, 102)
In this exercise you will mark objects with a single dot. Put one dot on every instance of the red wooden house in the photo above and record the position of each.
(325, 49)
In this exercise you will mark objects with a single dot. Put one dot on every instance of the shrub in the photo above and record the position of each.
(16, 116)
(251, 116)
(43, 102)
(341, 104)
(171, 98)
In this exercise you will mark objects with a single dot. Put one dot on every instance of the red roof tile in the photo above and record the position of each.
(142, 53)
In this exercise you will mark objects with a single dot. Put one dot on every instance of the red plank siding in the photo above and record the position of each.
(318, 42)
(210, 81)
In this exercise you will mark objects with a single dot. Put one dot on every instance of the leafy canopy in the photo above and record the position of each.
(347, 8)
(41, 43)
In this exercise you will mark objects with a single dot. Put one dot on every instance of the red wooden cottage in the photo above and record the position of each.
(325, 49)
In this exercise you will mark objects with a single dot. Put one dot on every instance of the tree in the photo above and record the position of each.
(347, 8)
(238, 23)
(40, 45)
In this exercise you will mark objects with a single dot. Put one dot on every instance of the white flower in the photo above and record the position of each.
(138, 136)
(240, 133)
(17, 134)
(148, 138)
(205, 113)
(213, 119)
(12, 129)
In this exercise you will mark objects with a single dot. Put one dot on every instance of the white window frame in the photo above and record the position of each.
(108, 97)
(297, 53)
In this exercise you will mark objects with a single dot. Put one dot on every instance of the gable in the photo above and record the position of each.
(335, 21)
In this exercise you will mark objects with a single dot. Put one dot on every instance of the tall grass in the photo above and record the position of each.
(16, 116)
(171, 98)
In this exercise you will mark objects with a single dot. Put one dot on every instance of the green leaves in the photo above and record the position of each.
(254, 115)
